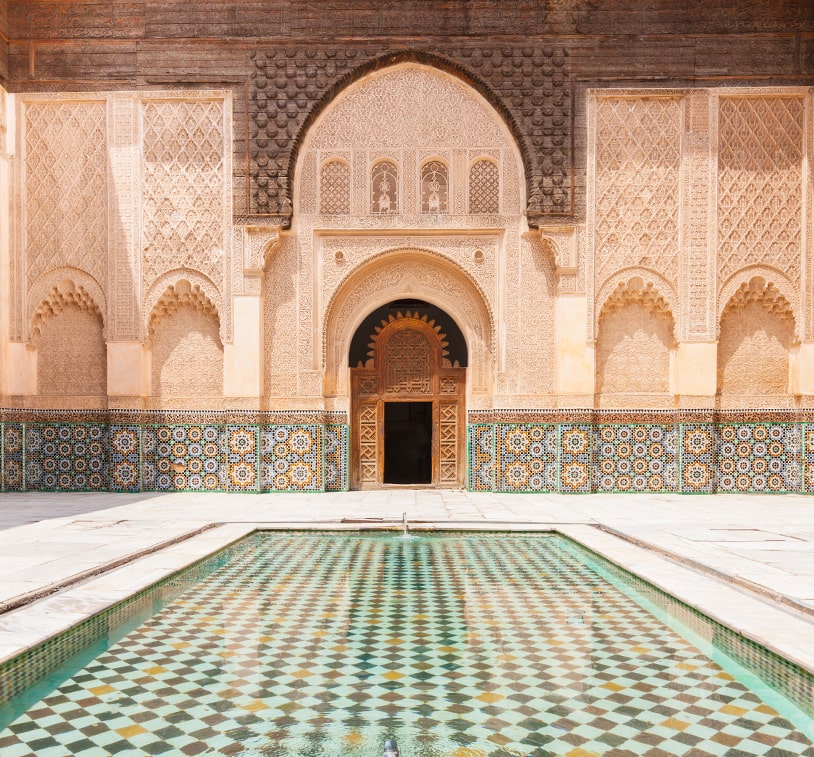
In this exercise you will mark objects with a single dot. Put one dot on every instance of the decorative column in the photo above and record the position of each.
(575, 354)
(696, 354)
(243, 358)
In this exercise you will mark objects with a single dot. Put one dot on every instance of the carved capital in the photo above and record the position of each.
(261, 241)
(562, 243)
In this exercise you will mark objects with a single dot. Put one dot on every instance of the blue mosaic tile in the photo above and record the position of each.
(242, 458)
(697, 458)
(291, 458)
(12, 445)
(184, 457)
(66, 457)
(481, 457)
(758, 457)
(526, 457)
(335, 453)
(636, 457)
(125, 462)
(575, 457)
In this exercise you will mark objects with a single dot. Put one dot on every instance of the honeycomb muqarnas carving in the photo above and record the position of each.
(528, 84)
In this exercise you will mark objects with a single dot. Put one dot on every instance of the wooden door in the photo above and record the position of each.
(407, 364)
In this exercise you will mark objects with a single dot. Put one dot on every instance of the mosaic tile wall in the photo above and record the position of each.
(309, 452)
(694, 457)
(210, 455)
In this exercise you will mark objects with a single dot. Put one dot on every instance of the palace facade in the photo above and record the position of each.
(528, 246)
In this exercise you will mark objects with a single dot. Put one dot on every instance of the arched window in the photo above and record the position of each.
(384, 186)
(334, 188)
(434, 187)
(484, 187)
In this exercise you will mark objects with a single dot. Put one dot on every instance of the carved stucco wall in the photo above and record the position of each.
(71, 351)
(407, 115)
(753, 353)
(697, 192)
(633, 355)
(187, 356)
(633, 213)
(115, 193)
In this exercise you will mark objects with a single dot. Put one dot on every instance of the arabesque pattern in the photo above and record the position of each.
(183, 188)
(66, 457)
(638, 150)
(526, 457)
(291, 458)
(183, 457)
(758, 457)
(636, 458)
(760, 184)
(66, 187)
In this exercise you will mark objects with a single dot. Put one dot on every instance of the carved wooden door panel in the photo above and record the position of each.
(407, 364)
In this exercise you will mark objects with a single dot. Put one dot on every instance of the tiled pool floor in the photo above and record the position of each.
(763, 541)
(458, 646)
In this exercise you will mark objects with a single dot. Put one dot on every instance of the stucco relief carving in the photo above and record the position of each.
(181, 280)
(65, 189)
(55, 298)
(562, 245)
(633, 347)
(770, 286)
(638, 144)
(760, 183)
(529, 81)
(635, 335)
(408, 273)
(280, 308)
(696, 317)
(639, 286)
(385, 117)
(531, 356)
(64, 285)
(756, 334)
(123, 208)
(462, 250)
(186, 202)
(181, 294)
(71, 349)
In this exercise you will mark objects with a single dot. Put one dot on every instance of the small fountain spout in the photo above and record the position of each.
(405, 532)
(390, 748)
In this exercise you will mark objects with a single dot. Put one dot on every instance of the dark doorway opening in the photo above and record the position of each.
(408, 442)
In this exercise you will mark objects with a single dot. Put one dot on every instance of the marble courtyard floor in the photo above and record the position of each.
(747, 561)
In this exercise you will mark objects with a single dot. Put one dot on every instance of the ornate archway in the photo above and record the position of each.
(408, 411)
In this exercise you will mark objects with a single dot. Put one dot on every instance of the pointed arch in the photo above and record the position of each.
(432, 60)
(415, 273)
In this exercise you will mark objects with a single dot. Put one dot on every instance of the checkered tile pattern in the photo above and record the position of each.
(66, 457)
(12, 460)
(481, 457)
(636, 457)
(456, 645)
(527, 457)
(758, 457)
